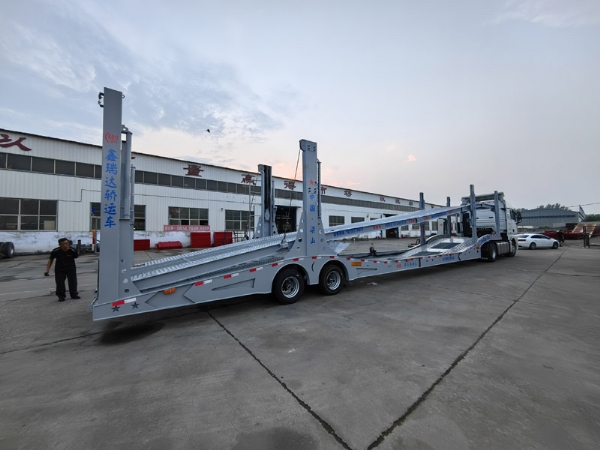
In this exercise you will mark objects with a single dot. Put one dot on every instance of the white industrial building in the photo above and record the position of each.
(51, 188)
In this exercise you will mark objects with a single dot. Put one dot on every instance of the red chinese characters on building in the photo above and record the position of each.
(193, 170)
(6, 142)
(398, 202)
(348, 193)
(382, 198)
(288, 184)
(323, 190)
(248, 179)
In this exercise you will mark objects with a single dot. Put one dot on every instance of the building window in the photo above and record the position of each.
(187, 216)
(139, 217)
(27, 214)
(336, 220)
(200, 184)
(150, 177)
(356, 219)
(65, 167)
(238, 220)
(43, 165)
(84, 170)
(95, 213)
(164, 179)
(176, 181)
(19, 162)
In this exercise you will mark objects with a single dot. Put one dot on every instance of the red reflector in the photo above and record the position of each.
(253, 270)
(199, 283)
(119, 303)
(227, 276)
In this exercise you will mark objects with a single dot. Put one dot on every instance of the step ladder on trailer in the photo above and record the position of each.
(278, 263)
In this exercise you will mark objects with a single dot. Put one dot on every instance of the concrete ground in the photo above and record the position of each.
(468, 356)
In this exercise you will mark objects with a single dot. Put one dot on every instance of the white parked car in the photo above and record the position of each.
(533, 241)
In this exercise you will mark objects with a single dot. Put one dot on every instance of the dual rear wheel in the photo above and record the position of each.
(289, 283)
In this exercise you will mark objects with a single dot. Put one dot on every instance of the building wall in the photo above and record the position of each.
(543, 217)
(75, 194)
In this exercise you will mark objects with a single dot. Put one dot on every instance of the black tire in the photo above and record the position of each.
(331, 280)
(7, 249)
(513, 252)
(532, 246)
(555, 245)
(288, 286)
(492, 252)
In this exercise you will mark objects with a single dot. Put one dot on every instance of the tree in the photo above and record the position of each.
(592, 218)
(554, 206)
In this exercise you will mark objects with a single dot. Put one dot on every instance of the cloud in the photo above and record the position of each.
(552, 13)
(68, 55)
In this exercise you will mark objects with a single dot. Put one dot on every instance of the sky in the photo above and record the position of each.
(401, 96)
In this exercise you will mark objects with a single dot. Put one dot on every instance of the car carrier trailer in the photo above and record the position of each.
(282, 264)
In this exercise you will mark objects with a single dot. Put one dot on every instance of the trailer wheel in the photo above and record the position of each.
(331, 280)
(532, 246)
(7, 249)
(288, 286)
(492, 252)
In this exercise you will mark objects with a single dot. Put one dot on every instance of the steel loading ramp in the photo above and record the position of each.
(193, 265)
(263, 247)
(414, 217)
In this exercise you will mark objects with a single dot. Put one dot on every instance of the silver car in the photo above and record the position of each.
(533, 241)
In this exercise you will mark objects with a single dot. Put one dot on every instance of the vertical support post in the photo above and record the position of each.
(310, 238)
(319, 189)
(448, 224)
(267, 225)
(473, 214)
(116, 199)
(111, 193)
(422, 224)
(497, 213)
(126, 216)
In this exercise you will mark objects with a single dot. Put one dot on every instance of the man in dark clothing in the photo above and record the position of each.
(560, 237)
(65, 268)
